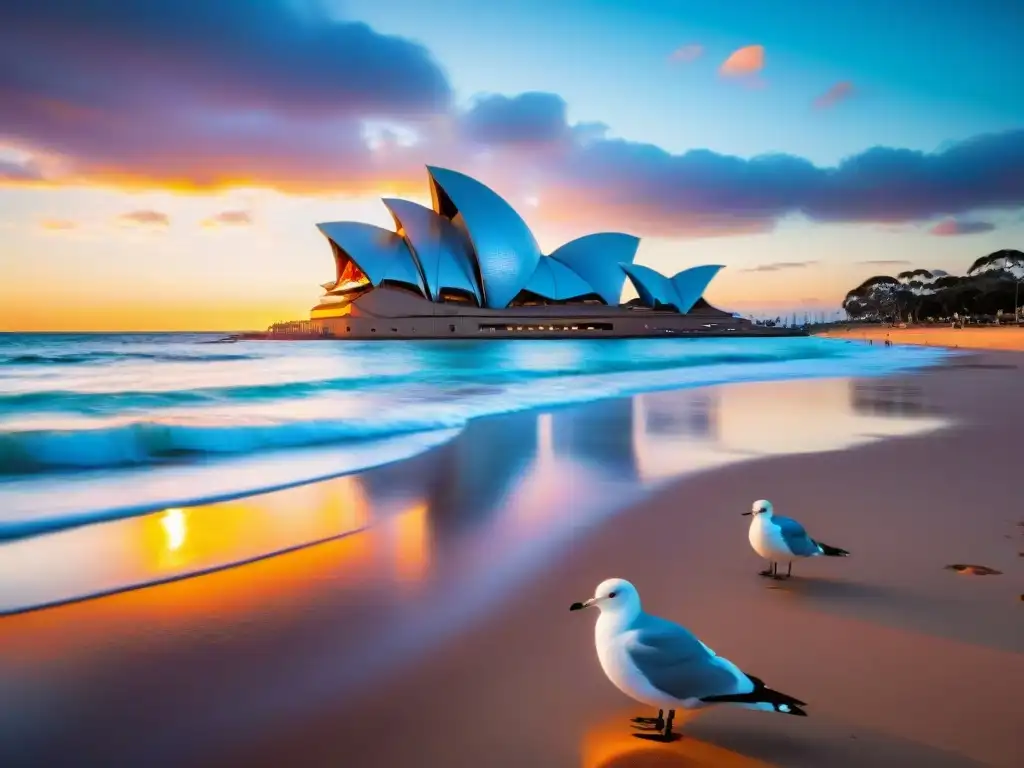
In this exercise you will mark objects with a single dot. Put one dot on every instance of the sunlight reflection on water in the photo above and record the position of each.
(497, 498)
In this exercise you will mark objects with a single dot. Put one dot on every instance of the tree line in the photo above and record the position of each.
(991, 286)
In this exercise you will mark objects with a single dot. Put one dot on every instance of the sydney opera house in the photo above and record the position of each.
(469, 267)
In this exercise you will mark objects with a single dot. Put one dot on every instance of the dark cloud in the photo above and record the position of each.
(146, 217)
(532, 118)
(779, 266)
(226, 91)
(884, 262)
(229, 219)
(703, 192)
(259, 56)
(237, 93)
(952, 227)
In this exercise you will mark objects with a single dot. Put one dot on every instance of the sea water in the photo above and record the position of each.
(96, 426)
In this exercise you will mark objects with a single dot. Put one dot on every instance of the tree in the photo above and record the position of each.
(1008, 260)
(990, 287)
(875, 299)
(1006, 265)
(916, 285)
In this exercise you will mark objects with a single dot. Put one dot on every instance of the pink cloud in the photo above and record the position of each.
(686, 53)
(841, 91)
(228, 219)
(743, 62)
(146, 218)
(952, 227)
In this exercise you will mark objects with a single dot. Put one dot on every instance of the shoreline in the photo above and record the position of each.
(1008, 338)
(668, 380)
(684, 548)
(96, 528)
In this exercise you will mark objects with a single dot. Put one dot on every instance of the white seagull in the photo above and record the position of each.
(663, 665)
(777, 538)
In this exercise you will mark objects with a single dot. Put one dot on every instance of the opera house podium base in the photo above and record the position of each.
(386, 313)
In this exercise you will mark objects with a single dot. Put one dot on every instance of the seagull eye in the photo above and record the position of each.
(611, 594)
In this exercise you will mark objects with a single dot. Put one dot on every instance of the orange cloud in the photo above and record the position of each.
(228, 219)
(57, 225)
(686, 53)
(837, 93)
(146, 218)
(745, 61)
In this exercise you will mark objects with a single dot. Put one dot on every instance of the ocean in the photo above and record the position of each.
(100, 426)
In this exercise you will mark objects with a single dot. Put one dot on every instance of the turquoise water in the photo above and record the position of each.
(125, 412)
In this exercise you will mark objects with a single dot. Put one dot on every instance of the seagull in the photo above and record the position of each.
(662, 664)
(776, 538)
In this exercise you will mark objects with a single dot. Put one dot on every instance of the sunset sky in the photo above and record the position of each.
(163, 163)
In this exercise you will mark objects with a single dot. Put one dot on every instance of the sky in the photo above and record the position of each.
(163, 164)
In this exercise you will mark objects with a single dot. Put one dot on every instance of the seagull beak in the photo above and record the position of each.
(581, 606)
(744, 514)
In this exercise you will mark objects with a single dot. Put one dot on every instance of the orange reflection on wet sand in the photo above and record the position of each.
(412, 542)
(177, 543)
(218, 598)
(180, 540)
(614, 745)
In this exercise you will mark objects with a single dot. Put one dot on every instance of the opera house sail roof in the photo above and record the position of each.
(472, 248)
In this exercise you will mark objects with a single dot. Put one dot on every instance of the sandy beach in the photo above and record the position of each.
(991, 338)
(358, 652)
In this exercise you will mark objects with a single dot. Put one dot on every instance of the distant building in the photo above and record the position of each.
(470, 267)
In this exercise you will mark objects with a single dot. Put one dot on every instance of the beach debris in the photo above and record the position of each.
(657, 662)
(973, 570)
(777, 538)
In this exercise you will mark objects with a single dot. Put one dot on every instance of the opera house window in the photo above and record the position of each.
(532, 328)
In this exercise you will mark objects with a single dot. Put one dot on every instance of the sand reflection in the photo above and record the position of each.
(176, 542)
(411, 532)
(500, 498)
(679, 432)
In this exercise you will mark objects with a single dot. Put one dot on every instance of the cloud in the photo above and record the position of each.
(779, 266)
(19, 172)
(951, 227)
(58, 225)
(884, 262)
(228, 219)
(531, 118)
(166, 94)
(207, 94)
(743, 62)
(841, 91)
(686, 53)
(145, 217)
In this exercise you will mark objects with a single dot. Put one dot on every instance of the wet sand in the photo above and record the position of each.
(902, 661)
(991, 338)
